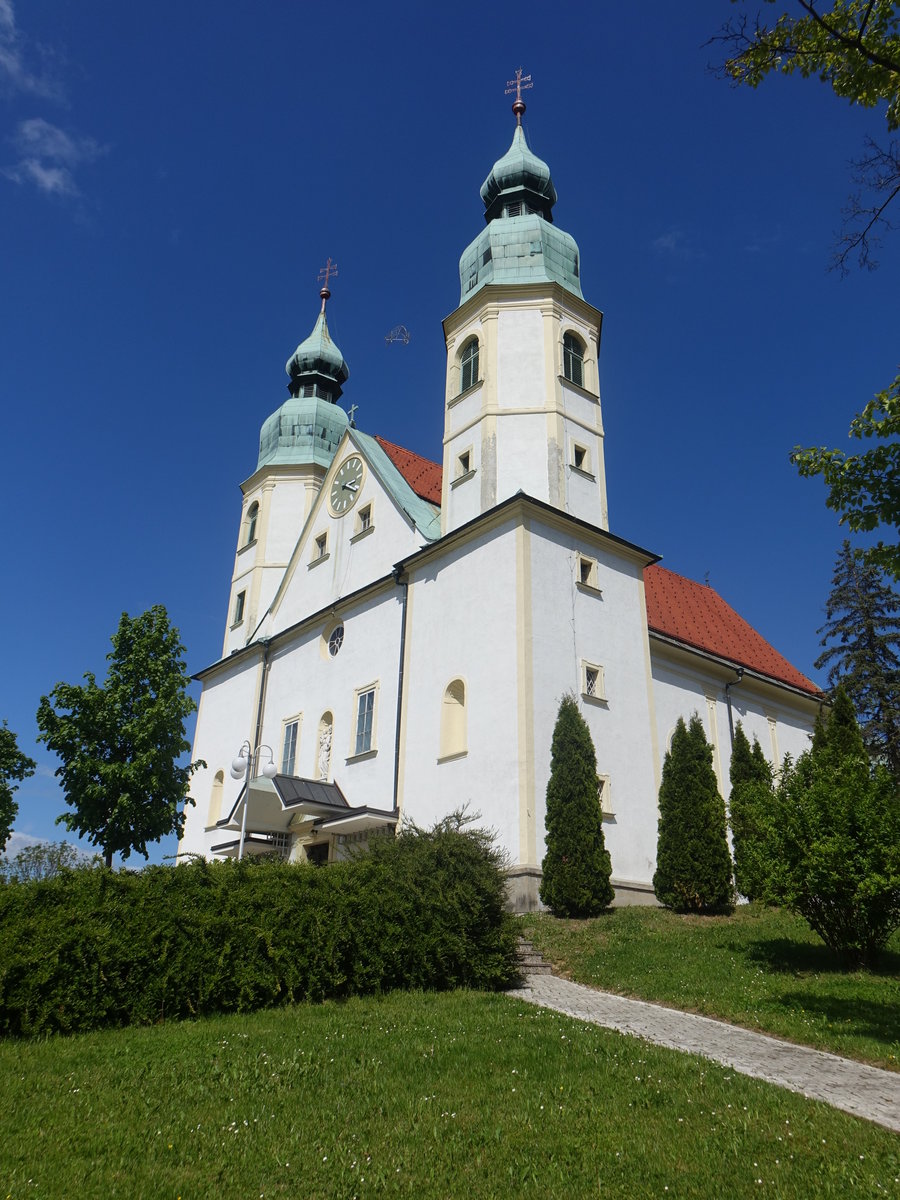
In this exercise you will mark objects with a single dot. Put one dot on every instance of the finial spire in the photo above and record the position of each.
(518, 85)
(325, 274)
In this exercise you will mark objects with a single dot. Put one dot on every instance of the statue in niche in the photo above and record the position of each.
(324, 750)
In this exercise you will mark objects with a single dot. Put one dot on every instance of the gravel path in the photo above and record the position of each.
(856, 1088)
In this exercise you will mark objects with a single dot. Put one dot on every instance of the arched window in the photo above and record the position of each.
(469, 365)
(453, 719)
(573, 359)
(215, 798)
(252, 516)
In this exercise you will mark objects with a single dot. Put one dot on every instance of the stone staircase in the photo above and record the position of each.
(530, 961)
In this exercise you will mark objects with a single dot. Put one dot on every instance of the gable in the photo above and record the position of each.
(422, 475)
(696, 616)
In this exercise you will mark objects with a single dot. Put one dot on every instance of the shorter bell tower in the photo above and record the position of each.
(522, 403)
(296, 446)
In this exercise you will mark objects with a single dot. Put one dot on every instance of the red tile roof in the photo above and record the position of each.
(422, 475)
(698, 616)
(677, 607)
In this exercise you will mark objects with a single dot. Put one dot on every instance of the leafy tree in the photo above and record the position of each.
(577, 866)
(119, 743)
(855, 47)
(863, 628)
(693, 872)
(750, 811)
(14, 766)
(44, 860)
(834, 840)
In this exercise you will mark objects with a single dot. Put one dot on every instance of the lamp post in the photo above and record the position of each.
(242, 768)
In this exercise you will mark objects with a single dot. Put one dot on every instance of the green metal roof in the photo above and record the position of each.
(304, 430)
(520, 244)
(519, 171)
(520, 250)
(317, 357)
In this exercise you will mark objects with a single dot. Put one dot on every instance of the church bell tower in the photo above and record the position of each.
(522, 402)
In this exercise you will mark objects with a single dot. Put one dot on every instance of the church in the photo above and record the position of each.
(400, 632)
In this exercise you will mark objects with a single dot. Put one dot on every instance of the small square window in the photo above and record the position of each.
(321, 545)
(463, 463)
(592, 682)
(586, 572)
(580, 459)
(365, 518)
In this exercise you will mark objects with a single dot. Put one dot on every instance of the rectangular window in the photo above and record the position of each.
(580, 460)
(592, 682)
(321, 545)
(586, 572)
(239, 607)
(462, 463)
(603, 795)
(289, 753)
(365, 518)
(365, 711)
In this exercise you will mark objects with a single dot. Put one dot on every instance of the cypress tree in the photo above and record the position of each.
(693, 872)
(862, 639)
(750, 807)
(576, 867)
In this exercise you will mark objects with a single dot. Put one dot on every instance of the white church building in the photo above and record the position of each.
(400, 632)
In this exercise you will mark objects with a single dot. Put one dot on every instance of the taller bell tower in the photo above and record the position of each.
(522, 403)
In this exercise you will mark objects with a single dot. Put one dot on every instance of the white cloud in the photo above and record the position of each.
(48, 156)
(14, 70)
(675, 244)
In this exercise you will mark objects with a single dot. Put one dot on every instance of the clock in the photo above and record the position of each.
(346, 484)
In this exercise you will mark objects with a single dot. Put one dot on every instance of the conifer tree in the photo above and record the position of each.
(693, 872)
(862, 639)
(750, 808)
(576, 867)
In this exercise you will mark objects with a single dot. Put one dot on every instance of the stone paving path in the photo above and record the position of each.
(856, 1088)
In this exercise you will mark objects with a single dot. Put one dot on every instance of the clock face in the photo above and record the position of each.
(346, 484)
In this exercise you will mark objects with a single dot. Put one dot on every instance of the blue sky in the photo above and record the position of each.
(173, 176)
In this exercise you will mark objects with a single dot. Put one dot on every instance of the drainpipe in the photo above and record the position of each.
(265, 643)
(402, 581)
(257, 737)
(728, 687)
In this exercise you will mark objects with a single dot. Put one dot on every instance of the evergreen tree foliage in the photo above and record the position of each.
(576, 867)
(14, 767)
(750, 811)
(834, 841)
(862, 639)
(693, 872)
(120, 743)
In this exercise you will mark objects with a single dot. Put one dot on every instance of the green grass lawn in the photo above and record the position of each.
(762, 968)
(459, 1094)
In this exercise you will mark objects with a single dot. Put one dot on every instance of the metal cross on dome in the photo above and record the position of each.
(325, 274)
(518, 85)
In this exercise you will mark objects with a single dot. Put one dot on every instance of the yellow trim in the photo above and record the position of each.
(712, 709)
(404, 697)
(651, 696)
(525, 691)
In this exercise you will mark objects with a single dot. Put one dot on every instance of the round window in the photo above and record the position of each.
(335, 640)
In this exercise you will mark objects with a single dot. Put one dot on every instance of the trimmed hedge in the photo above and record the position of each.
(92, 948)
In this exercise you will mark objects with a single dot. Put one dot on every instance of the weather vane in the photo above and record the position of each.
(518, 85)
(325, 274)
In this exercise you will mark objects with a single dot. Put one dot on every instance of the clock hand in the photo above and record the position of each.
(351, 487)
